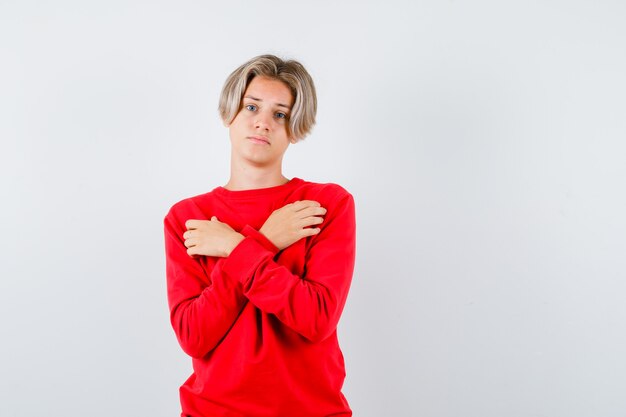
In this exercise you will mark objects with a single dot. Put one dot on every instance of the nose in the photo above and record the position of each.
(262, 121)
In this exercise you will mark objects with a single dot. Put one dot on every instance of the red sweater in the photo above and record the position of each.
(261, 324)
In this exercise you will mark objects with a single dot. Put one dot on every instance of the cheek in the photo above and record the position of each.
(237, 124)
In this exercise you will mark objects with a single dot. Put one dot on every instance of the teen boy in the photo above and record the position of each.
(258, 270)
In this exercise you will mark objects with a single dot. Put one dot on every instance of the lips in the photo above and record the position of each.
(259, 139)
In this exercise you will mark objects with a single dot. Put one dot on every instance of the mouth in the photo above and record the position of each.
(259, 139)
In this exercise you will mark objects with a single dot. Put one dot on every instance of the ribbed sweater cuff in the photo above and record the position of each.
(248, 254)
(259, 237)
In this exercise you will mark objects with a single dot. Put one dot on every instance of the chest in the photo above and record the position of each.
(293, 257)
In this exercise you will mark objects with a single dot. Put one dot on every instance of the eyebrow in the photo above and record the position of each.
(278, 104)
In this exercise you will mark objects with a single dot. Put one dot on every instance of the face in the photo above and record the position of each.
(259, 133)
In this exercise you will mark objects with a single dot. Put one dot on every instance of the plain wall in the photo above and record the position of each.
(484, 143)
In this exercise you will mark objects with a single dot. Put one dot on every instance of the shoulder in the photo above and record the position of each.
(194, 204)
(340, 218)
(336, 199)
(329, 192)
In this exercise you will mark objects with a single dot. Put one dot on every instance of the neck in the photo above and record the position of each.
(251, 178)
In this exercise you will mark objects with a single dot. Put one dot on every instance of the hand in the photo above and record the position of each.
(289, 224)
(210, 238)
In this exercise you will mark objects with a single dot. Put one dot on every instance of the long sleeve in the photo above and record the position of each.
(310, 304)
(261, 323)
(203, 303)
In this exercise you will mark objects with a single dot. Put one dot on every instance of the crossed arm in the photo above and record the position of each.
(283, 227)
(245, 271)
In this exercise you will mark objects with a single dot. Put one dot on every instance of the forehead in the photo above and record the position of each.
(270, 91)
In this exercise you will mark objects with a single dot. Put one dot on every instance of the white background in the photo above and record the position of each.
(483, 142)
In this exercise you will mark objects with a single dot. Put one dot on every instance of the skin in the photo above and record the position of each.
(259, 138)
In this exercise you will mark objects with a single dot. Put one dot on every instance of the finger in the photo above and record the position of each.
(316, 220)
(310, 221)
(299, 205)
(190, 234)
(215, 219)
(192, 224)
(191, 242)
(312, 211)
(310, 231)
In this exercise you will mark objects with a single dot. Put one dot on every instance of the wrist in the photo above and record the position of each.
(233, 242)
(268, 237)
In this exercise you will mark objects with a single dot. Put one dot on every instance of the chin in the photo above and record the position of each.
(259, 161)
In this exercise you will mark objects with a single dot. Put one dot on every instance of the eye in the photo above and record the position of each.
(250, 107)
(280, 115)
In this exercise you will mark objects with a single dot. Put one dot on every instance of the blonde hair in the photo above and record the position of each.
(291, 73)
